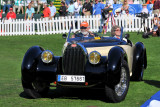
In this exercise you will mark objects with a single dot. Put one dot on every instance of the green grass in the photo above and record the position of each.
(11, 91)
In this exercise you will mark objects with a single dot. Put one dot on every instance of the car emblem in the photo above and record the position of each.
(73, 45)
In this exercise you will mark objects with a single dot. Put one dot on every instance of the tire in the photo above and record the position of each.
(138, 71)
(35, 89)
(118, 92)
(137, 74)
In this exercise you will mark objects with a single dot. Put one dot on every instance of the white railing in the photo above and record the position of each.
(62, 25)
(17, 27)
(133, 23)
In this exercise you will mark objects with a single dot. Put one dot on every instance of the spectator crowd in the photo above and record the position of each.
(72, 8)
(69, 7)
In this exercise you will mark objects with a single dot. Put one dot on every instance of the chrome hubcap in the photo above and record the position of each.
(121, 87)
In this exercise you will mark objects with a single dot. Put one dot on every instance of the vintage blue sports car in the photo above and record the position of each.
(86, 62)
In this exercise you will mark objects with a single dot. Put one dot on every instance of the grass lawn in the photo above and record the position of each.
(11, 91)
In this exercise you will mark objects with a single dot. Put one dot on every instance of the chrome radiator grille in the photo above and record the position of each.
(73, 60)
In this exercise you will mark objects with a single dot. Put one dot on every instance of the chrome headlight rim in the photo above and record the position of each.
(49, 53)
(95, 63)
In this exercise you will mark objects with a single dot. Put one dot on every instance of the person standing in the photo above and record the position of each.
(97, 11)
(52, 9)
(63, 9)
(87, 8)
(97, 8)
(156, 7)
(77, 7)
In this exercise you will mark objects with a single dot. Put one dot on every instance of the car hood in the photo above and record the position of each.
(92, 42)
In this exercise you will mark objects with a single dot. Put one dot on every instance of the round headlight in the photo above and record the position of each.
(47, 56)
(94, 57)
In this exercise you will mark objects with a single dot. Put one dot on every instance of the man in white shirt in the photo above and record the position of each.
(52, 9)
(77, 7)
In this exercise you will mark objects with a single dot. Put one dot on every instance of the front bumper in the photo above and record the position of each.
(94, 75)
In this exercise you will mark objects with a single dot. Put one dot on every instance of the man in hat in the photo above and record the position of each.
(11, 14)
(97, 9)
(84, 31)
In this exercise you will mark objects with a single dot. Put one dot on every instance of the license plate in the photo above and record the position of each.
(71, 78)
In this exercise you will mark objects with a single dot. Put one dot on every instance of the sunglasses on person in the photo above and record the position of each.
(117, 30)
(83, 27)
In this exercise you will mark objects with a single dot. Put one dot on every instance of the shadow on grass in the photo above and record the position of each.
(74, 93)
(153, 82)
(24, 95)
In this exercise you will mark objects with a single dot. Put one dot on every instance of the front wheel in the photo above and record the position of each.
(118, 92)
(35, 89)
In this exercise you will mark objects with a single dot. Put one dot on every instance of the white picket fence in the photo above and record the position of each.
(62, 25)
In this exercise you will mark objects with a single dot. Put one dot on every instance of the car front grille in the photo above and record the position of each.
(73, 60)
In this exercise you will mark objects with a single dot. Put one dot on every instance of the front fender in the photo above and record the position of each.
(29, 63)
(48, 72)
(115, 58)
(140, 56)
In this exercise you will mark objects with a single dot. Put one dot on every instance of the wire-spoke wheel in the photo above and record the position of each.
(118, 92)
(122, 85)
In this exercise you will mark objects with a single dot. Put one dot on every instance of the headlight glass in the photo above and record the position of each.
(47, 56)
(94, 57)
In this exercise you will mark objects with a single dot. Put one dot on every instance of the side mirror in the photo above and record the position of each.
(64, 36)
(126, 36)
